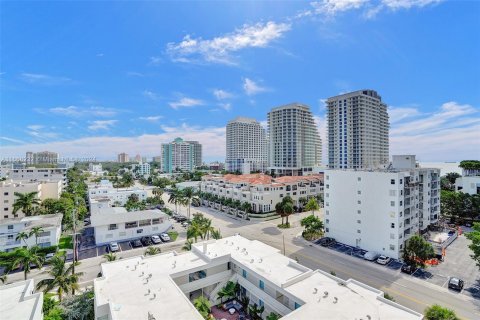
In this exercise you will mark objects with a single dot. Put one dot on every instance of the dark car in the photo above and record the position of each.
(408, 268)
(146, 241)
(326, 242)
(136, 243)
(455, 284)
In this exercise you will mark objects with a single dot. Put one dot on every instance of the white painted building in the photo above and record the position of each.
(116, 196)
(44, 189)
(117, 224)
(246, 146)
(357, 130)
(5, 170)
(295, 147)
(19, 301)
(40, 174)
(141, 169)
(378, 210)
(95, 169)
(469, 184)
(10, 228)
(163, 286)
(262, 191)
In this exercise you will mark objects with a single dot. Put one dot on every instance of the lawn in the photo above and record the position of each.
(65, 242)
(173, 235)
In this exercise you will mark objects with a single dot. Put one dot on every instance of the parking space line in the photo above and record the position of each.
(446, 281)
(96, 249)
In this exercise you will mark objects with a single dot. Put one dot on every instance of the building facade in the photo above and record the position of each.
(294, 144)
(378, 210)
(358, 130)
(19, 301)
(42, 157)
(468, 184)
(141, 169)
(115, 196)
(181, 155)
(246, 146)
(123, 157)
(163, 286)
(51, 225)
(39, 174)
(262, 191)
(8, 188)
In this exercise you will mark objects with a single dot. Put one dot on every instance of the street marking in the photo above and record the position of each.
(445, 282)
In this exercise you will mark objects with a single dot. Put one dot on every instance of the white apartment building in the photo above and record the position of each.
(123, 157)
(246, 144)
(40, 174)
(19, 301)
(10, 228)
(357, 130)
(117, 224)
(163, 286)
(181, 155)
(95, 169)
(378, 210)
(44, 189)
(294, 144)
(468, 184)
(42, 157)
(262, 191)
(115, 196)
(141, 169)
(5, 170)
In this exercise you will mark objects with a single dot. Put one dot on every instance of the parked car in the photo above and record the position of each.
(408, 268)
(451, 233)
(113, 247)
(49, 256)
(146, 241)
(136, 243)
(156, 239)
(371, 256)
(326, 242)
(383, 260)
(185, 224)
(455, 284)
(165, 237)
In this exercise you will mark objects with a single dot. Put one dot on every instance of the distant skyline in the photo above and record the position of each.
(94, 79)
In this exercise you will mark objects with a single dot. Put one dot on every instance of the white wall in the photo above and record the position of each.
(468, 185)
(103, 235)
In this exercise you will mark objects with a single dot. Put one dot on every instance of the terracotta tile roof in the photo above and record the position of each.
(255, 178)
(296, 179)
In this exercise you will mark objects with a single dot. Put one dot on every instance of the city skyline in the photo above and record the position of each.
(128, 84)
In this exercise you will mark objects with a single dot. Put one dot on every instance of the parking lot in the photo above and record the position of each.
(457, 263)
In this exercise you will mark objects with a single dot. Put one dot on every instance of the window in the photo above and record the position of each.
(5, 209)
(359, 192)
(327, 221)
(359, 179)
(10, 227)
(112, 227)
(10, 237)
(140, 231)
(392, 236)
(143, 223)
(392, 203)
(392, 193)
(244, 273)
(359, 202)
(359, 221)
(401, 181)
(297, 305)
(392, 247)
(328, 186)
(129, 225)
(5, 193)
(392, 181)
(359, 211)
(261, 284)
(44, 234)
(327, 212)
(326, 230)
(156, 221)
(260, 303)
(108, 236)
(122, 234)
(393, 225)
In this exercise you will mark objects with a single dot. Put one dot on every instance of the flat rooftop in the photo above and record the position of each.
(44, 221)
(18, 302)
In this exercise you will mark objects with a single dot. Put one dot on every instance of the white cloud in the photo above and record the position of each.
(333, 7)
(151, 118)
(225, 106)
(222, 94)
(77, 112)
(35, 127)
(186, 102)
(407, 4)
(135, 74)
(155, 61)
(12, 140)
(101, 124)
(219, 49)
(399, 114)
(150, 94)
(252, 88)
(44, 79)
(40, 132)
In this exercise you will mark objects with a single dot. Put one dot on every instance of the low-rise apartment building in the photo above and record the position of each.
(163, 286)
(141, 169)
(8, 188)
(51, 225)
(116, 196)
(112, 224)
(378, 210)
(19, 301)
(262, 191)
(39, 174)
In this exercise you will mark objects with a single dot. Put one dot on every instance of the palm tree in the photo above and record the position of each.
(3, 278)
(285, 208)
(272, 316)
(36, 231)
(26, 258)
(22, 236)
(194, 231)
(62, 277)
(110, 256)
(312, 205)
(228, 291)
(188, 245)
(288, 210)
(25, 202)
(203, 306)
(151, 251)
(255, 312)
(216, 234)
(175, 198)
(190, 197)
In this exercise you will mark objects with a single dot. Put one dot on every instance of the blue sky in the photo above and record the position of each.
(92, 79)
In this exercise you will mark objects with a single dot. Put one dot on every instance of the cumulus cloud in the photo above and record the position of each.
(220, 49)
(44, 79)
(186, 102)
(101, 124)
(252, 88)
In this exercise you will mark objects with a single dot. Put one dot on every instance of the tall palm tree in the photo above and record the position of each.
(195, 230)
(190, 197)
(151, 251)
(188, 245)
(25, 202)
(312, 205)
(22, 236)
(288, 210)
(26, 258)
(62, 277)
(175, 198)
(216, 234)
(110, 256)
(36, 231)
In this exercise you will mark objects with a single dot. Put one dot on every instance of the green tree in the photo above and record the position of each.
(176, 198)
(255, 312)
(26, 202)
(203, 306)
(272, 316)
(151, 251)
(190, 197)
(313, 227)
(62, 277)
(110, 256)
(36, 231)
(3, 278)
(216, 234)
(48, 304)
(417, 251)
(26, 258)
(79, 307)
(188, 245)
(312, 205)
(474, 237)
(437, 312)
(228, 291)
(22, 236)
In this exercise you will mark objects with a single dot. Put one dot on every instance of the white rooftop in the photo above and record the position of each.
(18, 302)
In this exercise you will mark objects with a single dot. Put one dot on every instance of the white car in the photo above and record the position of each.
(113, 247)
(49, 256)
(370, 256)
(165, 237)
(156, 239)
(383, 260)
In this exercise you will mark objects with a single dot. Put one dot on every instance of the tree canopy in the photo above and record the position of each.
(474, 237)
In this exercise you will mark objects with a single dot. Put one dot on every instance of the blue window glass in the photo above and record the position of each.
(297, 305)
(260, 303)
(244, 273)
(261, 285)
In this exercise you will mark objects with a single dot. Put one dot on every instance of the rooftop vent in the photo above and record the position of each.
(315, 290)
(142, 274)
(335, 299)
(148, 292)
(369, 317)
(325, 294)
(154, 296)
(260, 260)
(150, 316)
